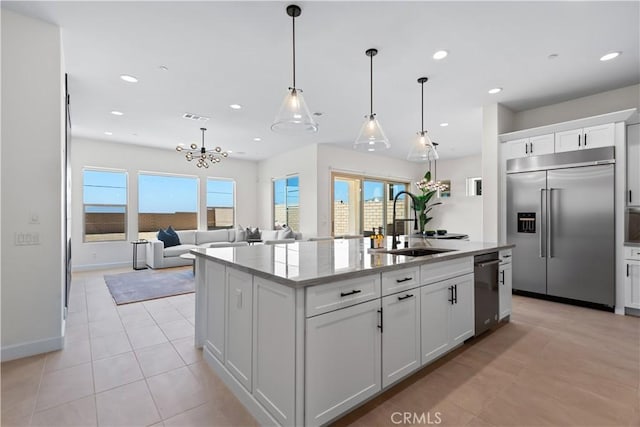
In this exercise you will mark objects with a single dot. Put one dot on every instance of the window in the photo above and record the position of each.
(220, 203)
(361, 204)
(166, 200)
(286, 202)
(104, 195)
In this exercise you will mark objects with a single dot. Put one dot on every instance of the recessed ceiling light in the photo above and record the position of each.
(371, 149)
(610, 56)
(257, 139)
(108, 133)
(235, 106)
(117, 113)
(164, 68)
(128, 78)
(495, 90)
(444, 125)
(441, 54)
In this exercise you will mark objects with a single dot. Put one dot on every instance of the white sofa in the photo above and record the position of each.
(160, 257)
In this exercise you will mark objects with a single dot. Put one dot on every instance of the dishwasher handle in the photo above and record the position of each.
(486, 264)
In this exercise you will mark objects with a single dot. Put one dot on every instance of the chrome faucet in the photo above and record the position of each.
(394, 242)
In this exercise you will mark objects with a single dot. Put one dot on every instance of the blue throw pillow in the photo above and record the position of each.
(171, 231)
(168, 239)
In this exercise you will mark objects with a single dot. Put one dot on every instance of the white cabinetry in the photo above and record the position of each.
(400, 336)
(239, 325)
(274, 349)
(633, 165)
(632, 277)
(534, 146)
(215, 320)
(446, 315)
(505, 279)
(585, 138)
(342, 360)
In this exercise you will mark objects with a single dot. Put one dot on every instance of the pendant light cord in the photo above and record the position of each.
(371, 84)
(422, 108)
(293, 21)
(203, 129)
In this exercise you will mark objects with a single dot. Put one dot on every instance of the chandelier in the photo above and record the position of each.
(202, 155)
(425, 184)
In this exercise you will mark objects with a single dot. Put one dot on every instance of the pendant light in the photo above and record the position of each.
(371, 137)
(422, 149)
(294, 116)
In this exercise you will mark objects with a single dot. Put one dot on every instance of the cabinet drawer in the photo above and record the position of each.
(632, 252)
(400, 280)
(506, 255)
(324, 298)
(431, 273)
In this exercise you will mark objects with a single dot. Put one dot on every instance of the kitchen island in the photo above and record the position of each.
(302, 333)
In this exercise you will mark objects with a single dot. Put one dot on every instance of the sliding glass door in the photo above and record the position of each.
(361, 204)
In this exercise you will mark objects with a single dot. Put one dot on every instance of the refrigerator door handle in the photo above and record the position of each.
(550, 223)
(540, 232)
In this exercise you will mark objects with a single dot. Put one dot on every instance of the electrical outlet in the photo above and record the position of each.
(27, 238)
(34, 218)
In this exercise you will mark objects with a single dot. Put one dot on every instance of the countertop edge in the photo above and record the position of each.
(410, 262)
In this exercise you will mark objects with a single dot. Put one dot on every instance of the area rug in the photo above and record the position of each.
(145, 285)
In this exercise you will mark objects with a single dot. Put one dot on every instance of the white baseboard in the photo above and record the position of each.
(89, 267)
(18, 351)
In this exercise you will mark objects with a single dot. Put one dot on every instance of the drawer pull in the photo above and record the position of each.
(506, 256)
(406, 279)
(405, 297)
(355, 291)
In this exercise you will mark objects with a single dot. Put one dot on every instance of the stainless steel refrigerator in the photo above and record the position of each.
(560, 216)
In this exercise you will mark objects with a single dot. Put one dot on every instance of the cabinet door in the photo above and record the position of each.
(216, 288)
(543, 144)
(517, 148)
(633, 165)
(435, 304)
(462, 315)
(400, 336)
(569, 140)
(239, 326)
(598, 136)
(342, 360)
(506, 274)
(632, 284)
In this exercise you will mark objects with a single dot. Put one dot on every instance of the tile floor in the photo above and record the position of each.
(135, 365)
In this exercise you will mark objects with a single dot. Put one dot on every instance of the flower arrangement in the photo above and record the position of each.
(423, 202)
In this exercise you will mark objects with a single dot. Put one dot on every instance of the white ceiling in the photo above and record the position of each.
(220, 53)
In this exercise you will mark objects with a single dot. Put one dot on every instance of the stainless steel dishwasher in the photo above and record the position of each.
(486, 291)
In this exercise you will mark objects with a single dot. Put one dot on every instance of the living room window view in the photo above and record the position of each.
(438, 224)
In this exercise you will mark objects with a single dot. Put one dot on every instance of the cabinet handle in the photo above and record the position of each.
(451, 299)
(506, 256)
(579, 140)
(455, 293)
(381, 325)
(355, 291)
(531, 147)
(405, 297)
(502, 274)
(406, 279)
(629, 196)
(526, 148)
(627, 270)
(585, 139)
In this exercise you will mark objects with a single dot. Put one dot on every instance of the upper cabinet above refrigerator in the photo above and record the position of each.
(633, 165)
(588, 137)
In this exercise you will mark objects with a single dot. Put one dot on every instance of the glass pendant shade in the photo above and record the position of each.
(422, 149)
(371, 136)
(294, 116)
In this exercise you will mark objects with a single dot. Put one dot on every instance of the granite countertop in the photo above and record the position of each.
(303, 264)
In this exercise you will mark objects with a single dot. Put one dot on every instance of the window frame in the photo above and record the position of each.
(286, 205)
(126, 205)
(361, 179)
(206, 204)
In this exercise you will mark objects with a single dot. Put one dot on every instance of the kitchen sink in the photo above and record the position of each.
(417, 251)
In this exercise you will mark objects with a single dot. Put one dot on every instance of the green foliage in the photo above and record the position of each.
(424, 204)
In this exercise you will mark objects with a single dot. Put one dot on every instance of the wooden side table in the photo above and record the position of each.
(135, 244)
